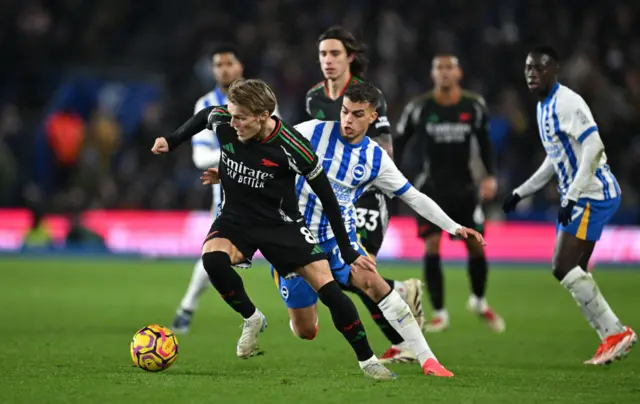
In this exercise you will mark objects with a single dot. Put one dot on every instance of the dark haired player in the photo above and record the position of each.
(589, 193)
(260, 158)
(343, 62)
(226, 68)
(439, 127)
(354, 163)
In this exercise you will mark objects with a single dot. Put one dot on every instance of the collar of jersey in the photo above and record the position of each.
(553, 92)
(346, 144)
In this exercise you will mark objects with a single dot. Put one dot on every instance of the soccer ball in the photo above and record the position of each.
(154, 348)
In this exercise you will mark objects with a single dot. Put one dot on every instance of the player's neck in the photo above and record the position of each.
(447, 96)
(335, 88)
(267, 129)
(543, 95)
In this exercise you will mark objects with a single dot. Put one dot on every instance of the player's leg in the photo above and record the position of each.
(345, 317)
(574, 243)
(400, 350)
(399, 315)
(300, 299)
(291, 248)
(372, 221)
(433, 275)
(478, 270)
(225, 246)
(198, 283)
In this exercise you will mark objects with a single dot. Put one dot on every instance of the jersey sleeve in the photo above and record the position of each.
(483, 135)
(405, 126)
(574, 117)
(300, 155)
(390, 180)
(381, 124)
(206, 149)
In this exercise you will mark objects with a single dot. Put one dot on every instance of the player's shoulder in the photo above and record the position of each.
(566, 94)
(317, 88)
(567, 99)
(201, 103)
(422, 99)
(473, 97)
(309, 125)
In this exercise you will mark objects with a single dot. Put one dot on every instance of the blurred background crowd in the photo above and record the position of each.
(86, 85)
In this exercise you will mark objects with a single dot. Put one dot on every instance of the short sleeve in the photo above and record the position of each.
(300, 155)
(575, 118)
(390, 180)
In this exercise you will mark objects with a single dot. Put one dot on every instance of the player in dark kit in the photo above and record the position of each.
(343, 62)
(261, 156)
(438, 127)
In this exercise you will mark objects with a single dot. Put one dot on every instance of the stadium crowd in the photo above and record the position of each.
(168, 44)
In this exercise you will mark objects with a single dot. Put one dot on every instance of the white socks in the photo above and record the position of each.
(199, 283)
(593, 305)
(398, 314)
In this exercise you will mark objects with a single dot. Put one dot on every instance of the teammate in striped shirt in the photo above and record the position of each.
(589, 193)
(353, 164)
(343, 62)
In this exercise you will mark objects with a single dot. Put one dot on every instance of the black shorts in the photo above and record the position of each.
(287, 246)
(372, 218)
(461, 205)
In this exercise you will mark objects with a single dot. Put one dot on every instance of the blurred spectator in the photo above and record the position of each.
(38, 236)
(598, 41)
(81, 237)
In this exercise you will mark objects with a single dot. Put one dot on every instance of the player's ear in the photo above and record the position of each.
(351, 58)
(373, 117)
(264, 116)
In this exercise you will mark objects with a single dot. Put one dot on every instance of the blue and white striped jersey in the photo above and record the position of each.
(564, 122)
(206, 149)
(351, 169)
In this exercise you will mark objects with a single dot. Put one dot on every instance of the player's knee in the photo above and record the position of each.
(306, 330)
(475, 249)
(371, 284)
(432, 244)
(215, 263)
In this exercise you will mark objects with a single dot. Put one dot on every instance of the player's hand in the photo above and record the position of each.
(160, 146)
(510, 203)
(363, 263)
(466, 232)
(488, 188)
(210, 176)
(565, 211)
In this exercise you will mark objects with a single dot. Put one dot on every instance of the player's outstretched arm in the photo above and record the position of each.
(538, 180)
(193, 126)
(394, 183)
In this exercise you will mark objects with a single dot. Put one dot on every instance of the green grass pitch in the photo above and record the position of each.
(67, 324)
